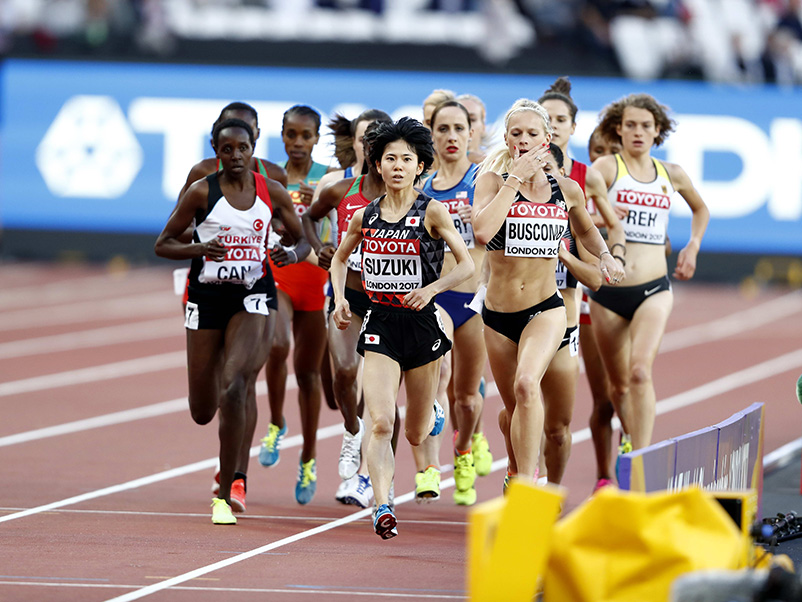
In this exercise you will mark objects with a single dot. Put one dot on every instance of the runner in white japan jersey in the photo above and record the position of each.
(227, 305)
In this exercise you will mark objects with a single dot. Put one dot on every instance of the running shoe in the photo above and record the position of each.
(602, 483)
(482, 458)
(346, 488)
(439, 419)
(391, 496)
(362, 495)
(237, 495)
(221, 513)
(384, 522)
(307, 482)
(624, 447)
(464, 480)
(427, 485)
(351, 452)
(271, 443)
(506, 484)
(216, 482)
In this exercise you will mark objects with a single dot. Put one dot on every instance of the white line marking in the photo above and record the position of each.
(415, 594)
(96, 337)
(139, 413)
(322, 433)
(782, 456)
(90, 311)
(151, 363)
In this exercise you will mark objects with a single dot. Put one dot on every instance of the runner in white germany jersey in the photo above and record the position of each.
(647, 203)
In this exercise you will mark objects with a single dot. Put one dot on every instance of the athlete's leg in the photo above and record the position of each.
(468, 362)
(646, 330)
(345, 366)
(559, 393)
(276, 369)
(380, 385)
(601, 416)
(309, 334)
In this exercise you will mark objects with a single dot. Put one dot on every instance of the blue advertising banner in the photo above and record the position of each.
(107, 147)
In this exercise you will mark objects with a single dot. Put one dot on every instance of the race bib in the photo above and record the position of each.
(464, 229)
(534, 230)
(391, 266)
(191, 316)
(256, 304)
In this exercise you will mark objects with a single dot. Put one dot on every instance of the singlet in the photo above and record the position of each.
(242, 232)
(533, 229)
(398, 257)
(455, 197)
(352, 202)
(317, 171)
(647, 203)
(579, 173)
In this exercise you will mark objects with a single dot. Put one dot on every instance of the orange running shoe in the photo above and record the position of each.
(238, 495)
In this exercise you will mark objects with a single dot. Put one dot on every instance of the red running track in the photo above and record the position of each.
(107, 479)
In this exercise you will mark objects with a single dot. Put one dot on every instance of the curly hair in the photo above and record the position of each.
(612, 115)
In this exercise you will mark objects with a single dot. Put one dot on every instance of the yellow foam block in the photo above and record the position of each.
(509, 541)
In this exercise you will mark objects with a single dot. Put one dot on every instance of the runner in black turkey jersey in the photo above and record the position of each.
(404, 234)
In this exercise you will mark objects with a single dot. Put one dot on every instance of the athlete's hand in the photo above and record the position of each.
(418, 299)
(526, 165)
(464, 212)
(612, 271)
(214, 250)
(620, 211)
(342, 314)
(306, 192)
(686, 263)
(283, 256)
(325, 255)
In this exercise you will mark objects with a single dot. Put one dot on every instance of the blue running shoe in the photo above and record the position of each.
(307, 482)
(439, 419)
(271, 443)
(384, 522)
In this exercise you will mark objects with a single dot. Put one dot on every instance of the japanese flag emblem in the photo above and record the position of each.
(371, 339)
(413, 221)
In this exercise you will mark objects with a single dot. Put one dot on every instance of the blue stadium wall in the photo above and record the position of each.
(94, 154)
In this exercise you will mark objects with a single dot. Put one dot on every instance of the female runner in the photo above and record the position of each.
(227, 304)
(520, 213)
(403, 235)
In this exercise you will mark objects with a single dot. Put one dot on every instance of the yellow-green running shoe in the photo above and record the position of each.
(482, 458)
(427, 485)
(221, 513)
(464, 480)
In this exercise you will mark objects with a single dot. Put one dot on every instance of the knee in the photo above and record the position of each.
(414, 438)
(527, 390)
(307, 379)
(279, 351)
(345, 377)
(203, 415)
(603, 411)
(558, 435)
(640, 374)
(234, 392)
(382, 427)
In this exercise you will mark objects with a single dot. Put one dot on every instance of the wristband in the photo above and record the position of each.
(618, 244)
(292, 255)
(520, 180)
(621, 259)
(603, 252)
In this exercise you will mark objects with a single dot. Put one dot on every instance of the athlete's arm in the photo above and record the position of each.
(328, 199)
(339, 270)
(686, 259)
(587, 233)
(584, 268)
(285, 212)
(596, 189)
(438, 223)
(170, 245)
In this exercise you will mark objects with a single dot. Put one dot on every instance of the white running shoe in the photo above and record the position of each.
(351, 452)
(362, 495)
(346, 489)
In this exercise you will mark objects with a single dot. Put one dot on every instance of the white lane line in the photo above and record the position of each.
(89, 287)
(96, 337)
(413, 595)
(322, 433)
(732, 324)
(157, 409)
(90, 311)
(205, 515)
(782, 456)
(142, 365)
